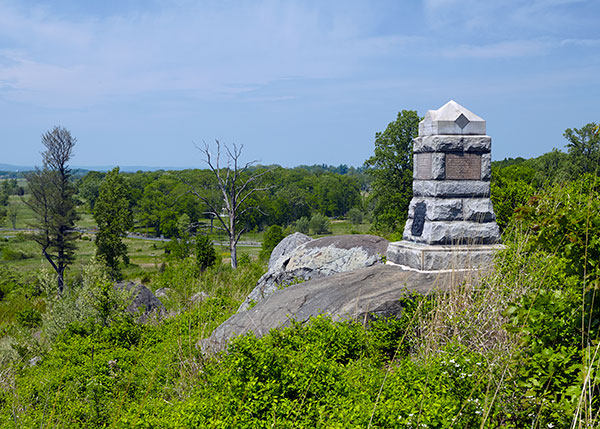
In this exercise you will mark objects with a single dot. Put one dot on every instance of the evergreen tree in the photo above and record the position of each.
(53, 203)
(272, 238)
(205, 252)
(114, 218)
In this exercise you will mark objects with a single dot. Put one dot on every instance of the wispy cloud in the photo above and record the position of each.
(516, 48)
(209, 49)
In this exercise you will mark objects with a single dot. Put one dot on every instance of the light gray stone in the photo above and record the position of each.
(451, 118)
(359, 295)
(486, 166)
(198, 297)
(453, 143)
(286, 247)
(34, 361)
(163, 292)
(143, 302)
(479, 210)
(439, 208)
(319, 258)
(438, 166)
(451, 188)
(440, 257)
(454, 233)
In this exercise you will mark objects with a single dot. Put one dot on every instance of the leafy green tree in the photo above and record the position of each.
(355, 216)
(206, 256)
(303, 225)
(320, 224)
(584, 149)
(3, 203)
(391, 169)
(272, 238)
(52, 202)
(12, 214)
(89, 187)
(114, 219)
(511, 188)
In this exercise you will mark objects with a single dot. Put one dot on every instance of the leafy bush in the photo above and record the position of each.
(303, 225)
(355, 216)
(9, 254)
(206, 256)
(272, 238)
(319, 224)
(29, 317)
(557, 320)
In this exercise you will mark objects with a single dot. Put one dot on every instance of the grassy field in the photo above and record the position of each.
(146, 256)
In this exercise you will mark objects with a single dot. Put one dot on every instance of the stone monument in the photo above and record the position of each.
(451, 222)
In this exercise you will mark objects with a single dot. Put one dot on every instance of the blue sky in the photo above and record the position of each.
(295, 82)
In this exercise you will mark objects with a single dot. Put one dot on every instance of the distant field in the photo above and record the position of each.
(146, 256)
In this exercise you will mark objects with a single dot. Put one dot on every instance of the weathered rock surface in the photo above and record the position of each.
(286, 247)
(319, 258)
(163, 292)
(198, 297)
(365, 293)
(143, 304)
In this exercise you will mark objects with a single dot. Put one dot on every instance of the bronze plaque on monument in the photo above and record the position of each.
(465, 166)
(423, 161)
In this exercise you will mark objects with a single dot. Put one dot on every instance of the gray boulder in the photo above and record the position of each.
(163, 292)
(198, 297)
(143, 302)
(286, 247)
(318, 258)
(360, 295)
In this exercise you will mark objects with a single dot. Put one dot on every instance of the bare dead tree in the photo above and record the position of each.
(52, 201)
(236, 186)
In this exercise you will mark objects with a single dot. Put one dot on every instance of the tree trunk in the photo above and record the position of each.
(232, 242)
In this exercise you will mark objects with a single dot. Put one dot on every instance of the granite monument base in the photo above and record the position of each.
(427, 257)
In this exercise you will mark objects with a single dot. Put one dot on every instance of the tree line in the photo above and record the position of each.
(239, 198)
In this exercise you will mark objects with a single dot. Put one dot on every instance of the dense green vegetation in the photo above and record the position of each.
(513, 348)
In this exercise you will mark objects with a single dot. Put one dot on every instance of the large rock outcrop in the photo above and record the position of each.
(315, 259)
(285, 248)
(359, 295)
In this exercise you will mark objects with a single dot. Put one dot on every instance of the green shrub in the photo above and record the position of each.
(557, 320)
(29, 318)
(244, 259)
(319, 224)
(303, 225)
(206, 255)
(355, 216)
(9, 254)
(272, 238)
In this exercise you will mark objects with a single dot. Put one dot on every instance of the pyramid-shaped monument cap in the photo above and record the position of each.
(451, 118)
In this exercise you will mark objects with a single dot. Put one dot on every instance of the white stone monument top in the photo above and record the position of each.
(451, 119)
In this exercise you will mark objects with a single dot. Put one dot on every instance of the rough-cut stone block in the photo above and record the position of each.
(486, 166)
(439, 257)
(451, 118)
(439, 208)
(478, 210)
(438, 166)
(454, 233)
(451, 188)
(452, 143)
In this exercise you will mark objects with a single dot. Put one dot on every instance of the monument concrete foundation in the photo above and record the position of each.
(451, 222)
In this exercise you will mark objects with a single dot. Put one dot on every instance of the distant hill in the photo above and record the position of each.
(15, 168)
